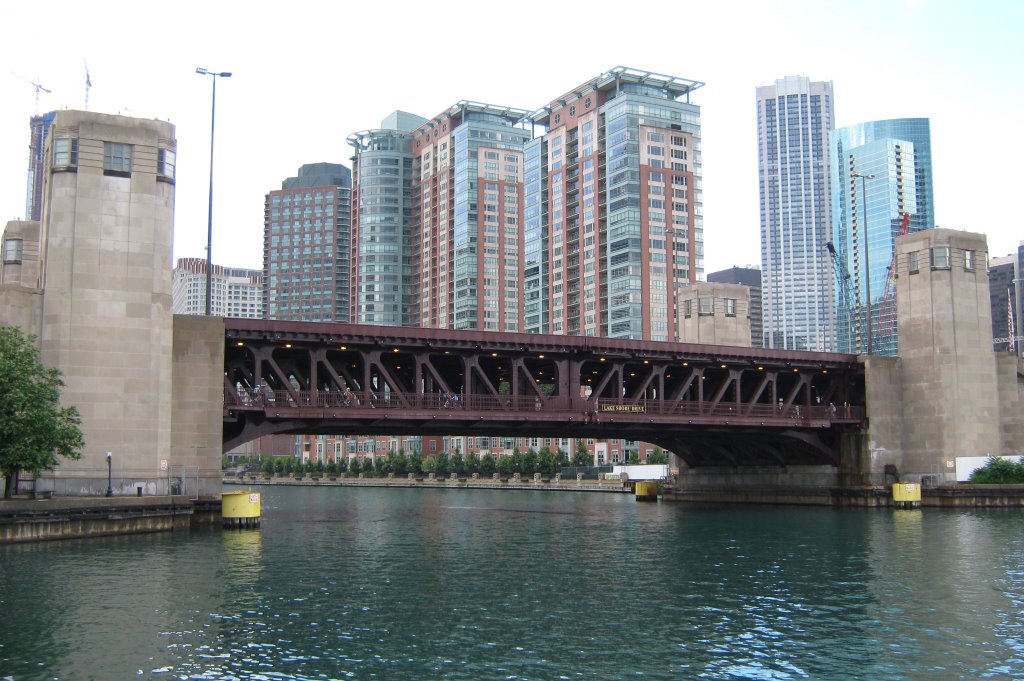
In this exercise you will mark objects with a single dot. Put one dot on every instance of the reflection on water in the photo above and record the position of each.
(482, 584)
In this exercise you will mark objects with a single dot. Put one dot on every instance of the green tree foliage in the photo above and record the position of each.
(547, 461)
(415, 464)
(457, 464)
(443, 464)
(355, 467)
(633, 459)
(582, 457)
(429, 464)
(487, 465)
(659, 456)
(506, 464)
(471, 463)
(331, 469)
(34, 428)
(998, 471)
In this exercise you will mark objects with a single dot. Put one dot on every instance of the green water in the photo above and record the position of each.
(348, 583)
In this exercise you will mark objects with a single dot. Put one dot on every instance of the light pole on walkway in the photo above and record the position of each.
(867, 262)
(209, 225)
(110, 488)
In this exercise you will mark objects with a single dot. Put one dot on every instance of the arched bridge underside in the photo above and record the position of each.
(710, 405)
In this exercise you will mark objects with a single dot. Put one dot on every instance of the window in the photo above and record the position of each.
(969, 260)
(730, 307)
(705, 306)
(914, 262)
(13, 249)
(65, 153)
(165, 164)
(117, 159)
(940, 257)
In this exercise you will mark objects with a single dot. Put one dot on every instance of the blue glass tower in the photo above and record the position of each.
(881, 182)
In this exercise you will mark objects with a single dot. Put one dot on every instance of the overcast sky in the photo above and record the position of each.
(308, 74)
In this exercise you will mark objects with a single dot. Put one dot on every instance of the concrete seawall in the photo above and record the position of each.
(27, 520)
(615, 486)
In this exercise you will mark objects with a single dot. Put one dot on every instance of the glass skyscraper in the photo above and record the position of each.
(794, 117)
(881, 175)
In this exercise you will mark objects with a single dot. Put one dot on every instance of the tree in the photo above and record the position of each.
(998, 471)
(34, 428)
(633, 459)
(582, 457)
(506, 465)
(487, 465)
(659, 455)
(355, 467)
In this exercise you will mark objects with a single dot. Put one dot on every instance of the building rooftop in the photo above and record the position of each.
(613, 78)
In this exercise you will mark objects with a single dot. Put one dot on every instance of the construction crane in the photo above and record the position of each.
(887, 306)
(37, 85)
(846, 302)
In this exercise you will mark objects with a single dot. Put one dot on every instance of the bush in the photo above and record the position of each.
(999, 472)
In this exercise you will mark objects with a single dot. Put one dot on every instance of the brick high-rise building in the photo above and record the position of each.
(613, 207)
(468, 197)
(307, 246)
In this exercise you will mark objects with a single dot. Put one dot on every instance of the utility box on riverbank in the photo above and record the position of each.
(906, 494)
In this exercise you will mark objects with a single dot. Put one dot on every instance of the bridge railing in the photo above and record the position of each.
(524, 404)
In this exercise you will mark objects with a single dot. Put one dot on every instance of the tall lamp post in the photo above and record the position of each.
(110, 488)
(209, 225)
(867, 262)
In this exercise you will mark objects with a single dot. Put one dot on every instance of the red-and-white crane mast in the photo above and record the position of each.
(887, 311)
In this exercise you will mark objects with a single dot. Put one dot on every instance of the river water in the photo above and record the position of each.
(350, 583)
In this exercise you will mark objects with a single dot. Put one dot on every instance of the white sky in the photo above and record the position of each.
(308, 74)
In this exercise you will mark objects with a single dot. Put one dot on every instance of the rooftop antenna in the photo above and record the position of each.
(37, 86)
(88, 83)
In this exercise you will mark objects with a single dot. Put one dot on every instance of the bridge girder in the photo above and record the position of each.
(710, 404)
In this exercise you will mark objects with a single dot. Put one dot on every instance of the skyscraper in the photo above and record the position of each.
(881, 172)
(307, 247)
(237, 292)
(794, 117)
(613, 207)
(40, 128)
(385, 264)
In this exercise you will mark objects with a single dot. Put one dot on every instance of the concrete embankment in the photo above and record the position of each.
(946, 496)
(25, 520)
(615, 486)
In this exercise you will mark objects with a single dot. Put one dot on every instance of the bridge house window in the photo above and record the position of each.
(117, 159)
(165, 164)
(969, 260)
(65, 153)
(940, 257)
(706, 306)
(914, 262)
(730, 307)
(13, 251)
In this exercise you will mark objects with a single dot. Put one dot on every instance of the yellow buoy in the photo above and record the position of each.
(240, 509)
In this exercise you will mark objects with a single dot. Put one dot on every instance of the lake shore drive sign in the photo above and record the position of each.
(630, 408)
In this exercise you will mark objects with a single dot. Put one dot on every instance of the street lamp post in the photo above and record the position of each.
(110, 488)
(209, 225)
(867, 262)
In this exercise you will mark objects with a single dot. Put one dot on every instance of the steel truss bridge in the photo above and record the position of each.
(710, 405)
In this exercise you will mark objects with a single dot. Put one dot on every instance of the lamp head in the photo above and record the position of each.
(109, 456)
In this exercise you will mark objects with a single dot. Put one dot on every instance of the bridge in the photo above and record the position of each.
(710, 405)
